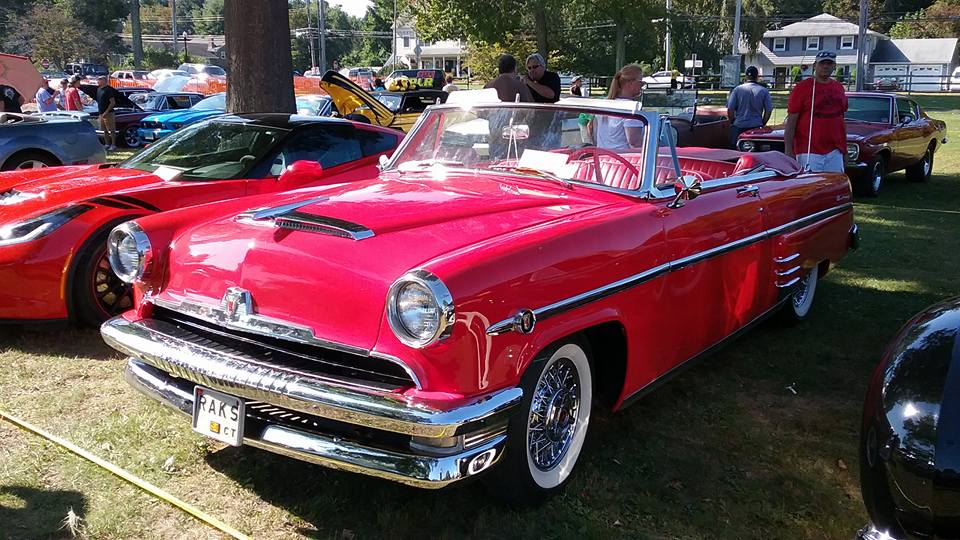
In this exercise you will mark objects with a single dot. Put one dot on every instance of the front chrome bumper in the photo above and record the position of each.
(166, 364)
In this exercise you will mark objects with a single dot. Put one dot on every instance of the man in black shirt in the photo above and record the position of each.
(544, 85)
(10, 99)
(106, 101)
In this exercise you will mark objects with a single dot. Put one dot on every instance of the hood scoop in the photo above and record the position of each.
(288, 216)
(12, 196)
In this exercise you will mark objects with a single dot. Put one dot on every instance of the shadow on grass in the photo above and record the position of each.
(58, 339)
(26, 512)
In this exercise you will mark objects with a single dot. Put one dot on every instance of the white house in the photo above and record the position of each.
(413, 52)
(921, 65)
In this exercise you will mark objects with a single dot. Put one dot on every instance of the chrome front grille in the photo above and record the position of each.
(292, 356)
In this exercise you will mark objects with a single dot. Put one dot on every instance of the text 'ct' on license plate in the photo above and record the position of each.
(218, 415)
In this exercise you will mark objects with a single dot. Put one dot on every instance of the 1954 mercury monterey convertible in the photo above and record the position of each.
(464, 310)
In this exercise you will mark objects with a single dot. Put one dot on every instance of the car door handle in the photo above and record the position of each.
(748, 190)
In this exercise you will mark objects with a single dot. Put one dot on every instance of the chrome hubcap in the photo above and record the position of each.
(32, 164)
(131, 138)
(800, 297)
(553, 414)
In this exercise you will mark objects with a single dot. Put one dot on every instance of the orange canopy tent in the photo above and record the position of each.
(20, 73)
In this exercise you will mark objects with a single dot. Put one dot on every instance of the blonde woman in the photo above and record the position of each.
(618, 133)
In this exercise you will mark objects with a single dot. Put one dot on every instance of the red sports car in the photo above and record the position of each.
(461, 312)
(54, 221)
(885, 133)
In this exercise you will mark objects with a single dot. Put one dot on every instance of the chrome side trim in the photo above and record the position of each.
(781, 260)
(787, 272)
(255, 324)
(166, 348)
(567, 304)
(323, 225)
(788, 284)
(424, 471)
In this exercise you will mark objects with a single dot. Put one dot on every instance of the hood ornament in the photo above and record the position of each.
(238, 303)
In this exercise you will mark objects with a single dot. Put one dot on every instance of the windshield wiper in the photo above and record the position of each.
(408, 166)
(533, 172)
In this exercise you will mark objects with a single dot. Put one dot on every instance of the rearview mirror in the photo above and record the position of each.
(301, 173)
(687, 188)
(518, 132)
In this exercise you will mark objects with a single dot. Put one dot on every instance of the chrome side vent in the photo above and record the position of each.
(786, 270)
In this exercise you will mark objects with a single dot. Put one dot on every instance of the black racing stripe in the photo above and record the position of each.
(136, 202)
(111, 203)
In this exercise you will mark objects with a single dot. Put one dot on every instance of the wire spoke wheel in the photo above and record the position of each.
(553, 414)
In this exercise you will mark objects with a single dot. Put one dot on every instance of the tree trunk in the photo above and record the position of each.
(258, 56)
(540, 27)
(136, 32)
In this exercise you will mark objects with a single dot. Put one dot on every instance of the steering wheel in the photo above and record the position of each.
(596, 151)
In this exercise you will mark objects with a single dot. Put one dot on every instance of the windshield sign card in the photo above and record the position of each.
(218, 416)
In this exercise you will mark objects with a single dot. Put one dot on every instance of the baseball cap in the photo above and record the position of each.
(576, 78)
(752, 71)
(826, 55)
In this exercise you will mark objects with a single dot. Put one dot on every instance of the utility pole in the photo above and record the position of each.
(666, 60)
(313, 53)
(322, 27)
(861, 45)
(173, 11)
(393, 49)
(736, 29)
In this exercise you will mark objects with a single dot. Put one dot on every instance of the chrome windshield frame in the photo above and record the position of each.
(651, 137)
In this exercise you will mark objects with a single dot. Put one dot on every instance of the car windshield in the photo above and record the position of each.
(868, 109)
(311, 105)
(216, 102)
(148, 102)
(553, 144)
(215, 150)
(214, 70)
(392, 101)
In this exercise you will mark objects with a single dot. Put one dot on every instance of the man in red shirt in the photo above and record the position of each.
(72, 100)
(815, 132)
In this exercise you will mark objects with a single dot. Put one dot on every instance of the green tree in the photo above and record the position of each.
(47, 31)
(335, 19)
(208, 18)
(373, 51)
(939, 20)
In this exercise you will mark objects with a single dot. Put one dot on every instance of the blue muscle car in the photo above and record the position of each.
(157, 126)
(46, 140)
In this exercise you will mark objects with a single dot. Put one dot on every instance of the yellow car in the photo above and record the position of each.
(384, 108)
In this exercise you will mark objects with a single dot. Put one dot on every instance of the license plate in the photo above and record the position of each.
(218, 415)
(148, 136)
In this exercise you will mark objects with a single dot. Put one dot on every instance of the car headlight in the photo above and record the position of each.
(747, 146)
(129, 252)
(420, 309)
(853, 151)
(40, 226)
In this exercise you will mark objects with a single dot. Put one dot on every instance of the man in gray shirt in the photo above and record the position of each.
(749, 106)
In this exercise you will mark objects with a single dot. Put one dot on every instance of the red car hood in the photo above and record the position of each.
(338, 286)
(26, 193)
(855, 131)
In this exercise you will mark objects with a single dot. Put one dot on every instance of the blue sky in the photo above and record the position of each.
(357, 8)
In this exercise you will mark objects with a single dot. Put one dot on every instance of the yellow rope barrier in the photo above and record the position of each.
(142, 484)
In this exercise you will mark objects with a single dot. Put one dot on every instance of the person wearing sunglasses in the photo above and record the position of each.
(544, 85)
(815, 132)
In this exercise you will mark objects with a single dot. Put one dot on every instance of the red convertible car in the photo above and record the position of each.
(885, 133)
(54, 221)
(464, 310)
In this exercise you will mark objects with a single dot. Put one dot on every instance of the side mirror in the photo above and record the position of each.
(382, 162)
(687, 188)
(301, 173)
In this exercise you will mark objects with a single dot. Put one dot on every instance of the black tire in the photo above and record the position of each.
(921, 170)
(98, 294)
(29, 159)
(130, 137)
(797, 308)
(869, 182)
(562, 414)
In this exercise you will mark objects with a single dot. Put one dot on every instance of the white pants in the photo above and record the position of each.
(832, 162)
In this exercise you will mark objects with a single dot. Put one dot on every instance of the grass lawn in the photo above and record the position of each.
(759, 441)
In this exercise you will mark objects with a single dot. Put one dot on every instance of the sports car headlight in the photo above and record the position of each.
(33, 228)
(420, 309)
(129, 251)
(747, 146)
(853, 151)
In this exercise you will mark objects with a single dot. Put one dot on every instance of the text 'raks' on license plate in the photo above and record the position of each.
(218, 415)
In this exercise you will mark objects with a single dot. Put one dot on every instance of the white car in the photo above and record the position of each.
(661, 79)
(161, 74)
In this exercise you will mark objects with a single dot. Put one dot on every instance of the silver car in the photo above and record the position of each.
(47, 140)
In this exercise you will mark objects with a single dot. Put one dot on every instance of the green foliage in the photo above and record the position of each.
(209, 10)
(337, 47)
(939, 20)
(51, 32)
(373, 51)
(482, 56)
(159, 58)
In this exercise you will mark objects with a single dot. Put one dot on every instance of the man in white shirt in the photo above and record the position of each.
(46, 97)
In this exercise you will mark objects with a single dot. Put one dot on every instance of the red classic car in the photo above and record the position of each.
(54, 221)
(462, 310)
(885, 133)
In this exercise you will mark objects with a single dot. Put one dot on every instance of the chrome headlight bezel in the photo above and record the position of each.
(144, 251)
(443, 304)
(853, 151)
(746, 146)
(39, 226)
